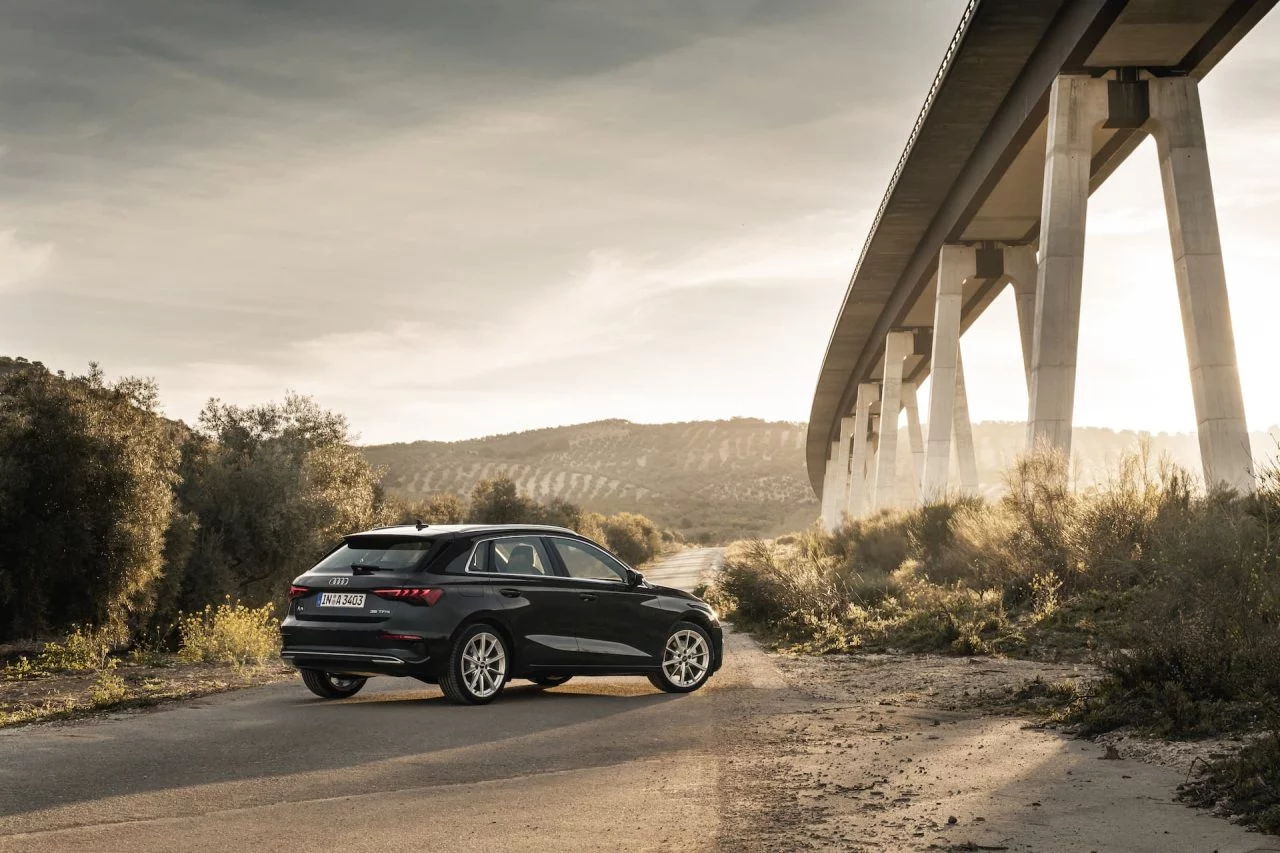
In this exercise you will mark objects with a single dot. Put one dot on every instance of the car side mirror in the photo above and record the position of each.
(634, 578)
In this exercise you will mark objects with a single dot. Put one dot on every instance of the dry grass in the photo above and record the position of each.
(1174, 592)
(229, 633)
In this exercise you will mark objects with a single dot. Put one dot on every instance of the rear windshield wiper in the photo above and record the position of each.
(364, 568)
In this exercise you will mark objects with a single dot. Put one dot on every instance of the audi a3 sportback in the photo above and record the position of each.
(469, 607)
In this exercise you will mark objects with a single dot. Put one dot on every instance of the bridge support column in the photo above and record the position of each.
(898, 345)
(914, 437)
(829, 487)
(840, 487)
(1022, 269)
(856, 499)
(1178, 126)
(873, 452)
(1076, 106)
(963, 427)
(956, 264)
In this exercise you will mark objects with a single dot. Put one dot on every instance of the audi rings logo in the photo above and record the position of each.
(339, 581)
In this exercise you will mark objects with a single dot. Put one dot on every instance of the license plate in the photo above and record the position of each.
(341, 599)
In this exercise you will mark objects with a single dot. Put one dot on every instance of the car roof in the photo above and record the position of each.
(428, 531)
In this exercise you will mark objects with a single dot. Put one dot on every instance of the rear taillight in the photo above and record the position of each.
(412, 595)
(297, 592)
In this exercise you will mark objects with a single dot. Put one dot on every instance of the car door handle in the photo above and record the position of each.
(587, 596)
(510, 593)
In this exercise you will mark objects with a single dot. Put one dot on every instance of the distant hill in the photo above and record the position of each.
(710, 480)
(715, 480)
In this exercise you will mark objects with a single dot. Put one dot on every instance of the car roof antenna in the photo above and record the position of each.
(419, 523)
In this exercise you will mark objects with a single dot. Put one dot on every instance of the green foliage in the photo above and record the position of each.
(82, 650)
(229, 633)
(498, 501)
(632, 537)
(265, 491)
(86, 476)
(108, 688)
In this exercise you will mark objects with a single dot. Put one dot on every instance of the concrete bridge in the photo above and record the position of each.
(1035, 104)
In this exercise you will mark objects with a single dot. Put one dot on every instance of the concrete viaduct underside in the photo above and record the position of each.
(973, 174)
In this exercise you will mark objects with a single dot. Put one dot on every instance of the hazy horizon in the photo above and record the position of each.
(457, 219)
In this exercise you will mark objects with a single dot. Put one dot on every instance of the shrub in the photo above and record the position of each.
(83, 650)
(229, 633)
(108, 689)
(1244, 785)
(632, 537)
(1187, 582)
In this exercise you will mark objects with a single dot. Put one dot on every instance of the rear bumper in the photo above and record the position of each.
(380, 662)
(361, 648)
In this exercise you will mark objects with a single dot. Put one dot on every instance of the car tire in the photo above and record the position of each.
(685, 659)
(549, 680)
(328, 685)
(477, 668)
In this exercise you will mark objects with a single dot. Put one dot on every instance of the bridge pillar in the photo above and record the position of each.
(873, 451)
(829, 487)
(840, 487)
(856, 498)
(1022, 269)
(1076, 106)
(898, 345)
(1178, 126)
(914, 437)
(964, 434)
(956, 264)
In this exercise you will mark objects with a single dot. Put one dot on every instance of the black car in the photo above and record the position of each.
(470, 607)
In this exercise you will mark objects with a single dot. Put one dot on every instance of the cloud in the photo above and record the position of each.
(21, 262)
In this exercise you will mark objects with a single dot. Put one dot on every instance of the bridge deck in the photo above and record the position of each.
(973, 166)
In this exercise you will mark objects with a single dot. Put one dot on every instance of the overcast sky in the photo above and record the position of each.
(448, 219)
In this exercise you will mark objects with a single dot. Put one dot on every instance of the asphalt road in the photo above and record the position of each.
(595, 764)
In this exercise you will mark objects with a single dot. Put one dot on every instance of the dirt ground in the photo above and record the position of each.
(888, 752)
(66, 695)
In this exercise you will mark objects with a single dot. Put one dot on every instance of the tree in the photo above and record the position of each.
(497, 501)
(632, 537)
(268, 488)
(86, 476)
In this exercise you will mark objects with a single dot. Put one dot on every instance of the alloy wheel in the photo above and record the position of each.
(484, 665)
(686, 658)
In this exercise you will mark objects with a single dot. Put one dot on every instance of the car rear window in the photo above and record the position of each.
(382, 552)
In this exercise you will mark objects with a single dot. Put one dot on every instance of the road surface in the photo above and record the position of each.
(595, 764)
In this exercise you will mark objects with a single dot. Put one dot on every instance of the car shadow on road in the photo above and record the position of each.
(239, 740)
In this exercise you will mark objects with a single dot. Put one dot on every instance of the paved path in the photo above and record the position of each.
(596, 764)
(686, 569)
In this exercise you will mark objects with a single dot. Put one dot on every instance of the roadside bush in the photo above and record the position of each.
(229, 633)
(1244, 785)
(632, 537)
(82, 650)
(108, 689)
(1185, 582)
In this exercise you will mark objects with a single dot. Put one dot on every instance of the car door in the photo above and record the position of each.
(539, 604)
(616, 629)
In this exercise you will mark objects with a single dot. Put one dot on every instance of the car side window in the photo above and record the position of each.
(588, 563)
(517, 555)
